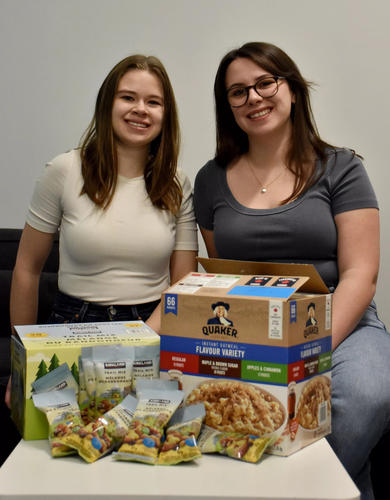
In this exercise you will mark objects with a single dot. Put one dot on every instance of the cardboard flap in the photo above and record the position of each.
(314, 284)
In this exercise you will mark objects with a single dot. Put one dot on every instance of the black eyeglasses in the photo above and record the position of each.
(266, 86)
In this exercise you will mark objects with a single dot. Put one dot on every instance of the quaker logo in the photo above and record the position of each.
(220, 324)
(311, 322)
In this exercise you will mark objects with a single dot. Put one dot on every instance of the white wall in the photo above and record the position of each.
(55, 54)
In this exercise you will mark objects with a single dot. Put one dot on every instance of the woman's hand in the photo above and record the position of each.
(358, 263)
(154, 320)
(7, 397)
(181, 263)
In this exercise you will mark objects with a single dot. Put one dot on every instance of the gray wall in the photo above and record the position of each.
(55, 54)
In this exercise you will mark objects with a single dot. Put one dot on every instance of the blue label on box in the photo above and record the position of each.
(293, 311)
(274, 292)
(253, 352)
(170, 303)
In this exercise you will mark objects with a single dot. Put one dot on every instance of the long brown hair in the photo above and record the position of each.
(305, 142)
(99, 162)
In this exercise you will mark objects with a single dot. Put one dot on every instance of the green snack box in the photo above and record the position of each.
(38, 349)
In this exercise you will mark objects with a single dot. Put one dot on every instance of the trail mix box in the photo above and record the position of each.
(253, 342)
(39, 349)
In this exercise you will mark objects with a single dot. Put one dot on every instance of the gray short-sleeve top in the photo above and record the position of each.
(302, 231)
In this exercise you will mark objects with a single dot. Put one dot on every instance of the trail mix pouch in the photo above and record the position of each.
(83, 398)
(105, 434)
(113, 365)
(235, 445)
(180, 441)
(88, 367)
(56, 380)
(156, 384)
(143, 440)
(146, 363)
(63, 415)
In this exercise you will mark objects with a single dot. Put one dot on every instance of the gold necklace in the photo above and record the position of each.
(264, 187)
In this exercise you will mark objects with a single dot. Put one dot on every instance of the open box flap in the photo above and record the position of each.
(314, 284)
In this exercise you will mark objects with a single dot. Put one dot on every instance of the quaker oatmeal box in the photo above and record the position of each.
(252, 341)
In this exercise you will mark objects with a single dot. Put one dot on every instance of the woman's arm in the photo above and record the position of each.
(34, 248)
(208, 238)
(181, 263)
(358, 264)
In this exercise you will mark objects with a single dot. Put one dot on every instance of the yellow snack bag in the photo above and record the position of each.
(63, 415)
(143, 440)
(240, 446)
(113, 367)
(105, 434)
(183, 429)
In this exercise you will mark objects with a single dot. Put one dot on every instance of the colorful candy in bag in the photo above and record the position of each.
(180, 441)
(143, 440)
(63, 415)
(113, 366)
(240, 446)
(105, 434)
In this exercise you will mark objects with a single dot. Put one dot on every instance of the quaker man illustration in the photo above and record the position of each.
(220, 310)
(311, 311)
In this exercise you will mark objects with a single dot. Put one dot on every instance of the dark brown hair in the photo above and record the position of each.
(305, 142)
(99, 161)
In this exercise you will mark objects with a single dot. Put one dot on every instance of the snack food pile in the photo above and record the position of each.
(142, 422)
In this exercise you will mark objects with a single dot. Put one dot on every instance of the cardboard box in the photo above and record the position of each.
(254, 340)
(37, 349)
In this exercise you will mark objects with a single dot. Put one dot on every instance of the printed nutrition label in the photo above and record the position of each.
(194, 282)
(275, 320)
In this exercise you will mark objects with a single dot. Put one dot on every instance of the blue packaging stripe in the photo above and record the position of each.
(310, 349)
(250, 352)
(274, 292)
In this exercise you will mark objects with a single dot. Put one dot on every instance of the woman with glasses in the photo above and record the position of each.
(276, 191)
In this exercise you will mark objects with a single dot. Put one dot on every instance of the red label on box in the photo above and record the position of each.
(296, 371)
(184, 362)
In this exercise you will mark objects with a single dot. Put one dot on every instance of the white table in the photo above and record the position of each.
(312, 473)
